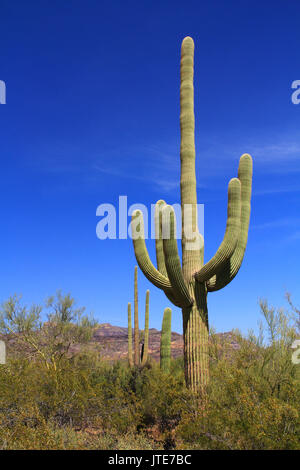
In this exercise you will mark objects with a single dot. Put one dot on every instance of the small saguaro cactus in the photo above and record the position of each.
(139, 358)
(136, 321)
(187, 285)
(165, 341)
(130, 355)
(144, 356)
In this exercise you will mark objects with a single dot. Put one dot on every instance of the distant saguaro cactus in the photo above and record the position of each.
(139, 358)
(165, 341)
(136, 320)
(187, 285)
(130, 356)
(144, 355)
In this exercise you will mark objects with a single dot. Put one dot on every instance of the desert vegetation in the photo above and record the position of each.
(54, 395)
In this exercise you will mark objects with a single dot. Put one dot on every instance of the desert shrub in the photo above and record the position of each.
(51, 342)
(254, 393)
(252, 402)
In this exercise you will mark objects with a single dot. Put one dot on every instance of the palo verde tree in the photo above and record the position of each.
(51, 341)
(187, 284)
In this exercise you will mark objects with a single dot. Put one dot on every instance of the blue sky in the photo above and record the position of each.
(92, 113)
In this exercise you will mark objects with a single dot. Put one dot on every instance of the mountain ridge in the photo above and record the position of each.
(111, 342)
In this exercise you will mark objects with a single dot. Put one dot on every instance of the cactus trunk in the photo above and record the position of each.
(136, 321)
(130, 356)
(165, 341)
(195, 326)
(195, 340)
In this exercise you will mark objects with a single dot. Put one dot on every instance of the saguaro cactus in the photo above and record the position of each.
(187, 285)
(165, 341)
(136, 321)
(130, 356)
(144, 355)
(139, 358)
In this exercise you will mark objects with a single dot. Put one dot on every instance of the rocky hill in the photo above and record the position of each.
(111, 342)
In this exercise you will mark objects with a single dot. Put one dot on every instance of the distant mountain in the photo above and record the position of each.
(111, 343)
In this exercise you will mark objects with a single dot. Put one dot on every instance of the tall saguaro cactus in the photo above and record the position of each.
(187, 285)
(165, 341)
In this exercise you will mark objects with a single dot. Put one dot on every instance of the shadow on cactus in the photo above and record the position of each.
(186, 284)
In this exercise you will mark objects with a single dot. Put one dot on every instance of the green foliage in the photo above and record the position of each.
(16, 318)
(295, 312)
(49, 342)
(252, 401)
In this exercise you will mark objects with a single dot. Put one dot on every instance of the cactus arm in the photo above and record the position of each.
(160, 257)
(146, 331)
(143, 259)
(232, 266)
(165, 341)
(173, 299)
(232, 231)
(145, 264)
(130, 357)
(172, 260)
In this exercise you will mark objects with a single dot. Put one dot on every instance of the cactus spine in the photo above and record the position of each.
(187, 285)
(130, 356)
(165, 341)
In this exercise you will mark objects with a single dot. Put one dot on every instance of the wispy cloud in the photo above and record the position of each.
(276, 190)
(280, 154)
(158, 165)
(167, 185)
(277, 223)
(283, 151)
